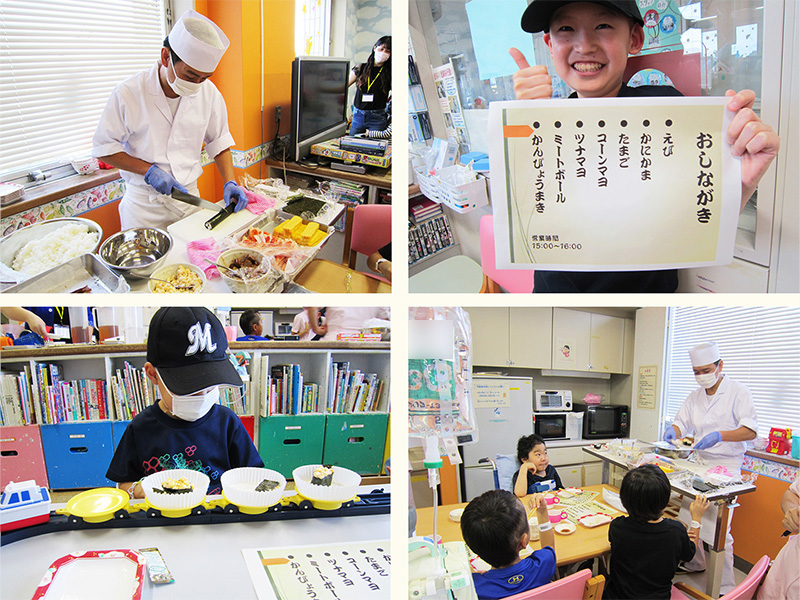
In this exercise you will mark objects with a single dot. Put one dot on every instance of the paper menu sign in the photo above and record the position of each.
(349, 571)
(613, 184)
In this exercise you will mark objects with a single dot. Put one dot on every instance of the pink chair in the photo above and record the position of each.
(368, 228)
(744, 591)
(512, 280)
(578, 586)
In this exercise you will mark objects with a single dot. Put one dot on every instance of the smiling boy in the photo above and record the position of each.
(589, 43)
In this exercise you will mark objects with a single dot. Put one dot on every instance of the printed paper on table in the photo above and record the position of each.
(613, 184)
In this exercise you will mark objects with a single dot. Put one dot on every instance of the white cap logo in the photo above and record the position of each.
(200, 339)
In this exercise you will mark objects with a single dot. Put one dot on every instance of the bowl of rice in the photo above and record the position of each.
(42, 246)
(189, 279)
(136, 253)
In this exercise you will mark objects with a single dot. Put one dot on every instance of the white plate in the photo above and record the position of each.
(595, 520)
(564, 528)
(94, 575)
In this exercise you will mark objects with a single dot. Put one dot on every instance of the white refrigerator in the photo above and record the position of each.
(504, 413)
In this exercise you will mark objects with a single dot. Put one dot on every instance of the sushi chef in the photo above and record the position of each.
(721, 416)
(156, 123)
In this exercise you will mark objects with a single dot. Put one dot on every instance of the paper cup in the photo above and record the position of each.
(239, 485)
(455, 514)
(163, 501)
(343, 488)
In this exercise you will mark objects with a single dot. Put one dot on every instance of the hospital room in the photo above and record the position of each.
(607, 452)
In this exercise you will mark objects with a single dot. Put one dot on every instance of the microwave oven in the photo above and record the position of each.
(603, 420)
(550, 425)
(552, 400)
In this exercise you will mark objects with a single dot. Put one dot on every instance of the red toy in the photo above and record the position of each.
(779, 441)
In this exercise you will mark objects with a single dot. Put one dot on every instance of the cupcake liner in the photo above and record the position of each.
(162, 501)
(238, 486)
(344, 486)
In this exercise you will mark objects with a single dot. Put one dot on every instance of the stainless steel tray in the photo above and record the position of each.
(81, 271)
(268, 222)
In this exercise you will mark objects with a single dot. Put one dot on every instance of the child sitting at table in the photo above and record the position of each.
(535, 468)
(495, 527)
(646, 547)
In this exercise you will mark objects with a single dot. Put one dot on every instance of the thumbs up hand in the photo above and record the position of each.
(530, 82)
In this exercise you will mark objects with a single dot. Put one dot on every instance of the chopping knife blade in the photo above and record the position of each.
(195, 200)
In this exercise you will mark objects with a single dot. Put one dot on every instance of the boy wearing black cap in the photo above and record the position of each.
(590, 43)
(187, 429)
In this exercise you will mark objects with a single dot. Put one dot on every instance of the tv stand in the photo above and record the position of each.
(309, 161)
(375, 180)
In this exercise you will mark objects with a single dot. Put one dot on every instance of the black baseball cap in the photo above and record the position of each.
(537, 16)
(188, 346)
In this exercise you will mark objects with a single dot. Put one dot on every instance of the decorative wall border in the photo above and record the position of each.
(787, 473)
(243, 159)
(69, 206)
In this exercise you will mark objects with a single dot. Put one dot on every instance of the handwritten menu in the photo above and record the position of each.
(613, 183)
(351, 571)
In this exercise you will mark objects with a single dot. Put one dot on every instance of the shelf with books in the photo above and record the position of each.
(429, 230)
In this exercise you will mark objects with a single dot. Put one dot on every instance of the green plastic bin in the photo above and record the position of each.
(356, 441)
(286, 442)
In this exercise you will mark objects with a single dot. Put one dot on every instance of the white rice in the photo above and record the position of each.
(59, 246)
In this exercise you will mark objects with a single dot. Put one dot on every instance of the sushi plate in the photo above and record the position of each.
(595, 520)
(98, 505)
(94, 575)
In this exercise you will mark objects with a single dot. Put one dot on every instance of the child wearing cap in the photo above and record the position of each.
(589, 43)
(188, 428)
(495, 527)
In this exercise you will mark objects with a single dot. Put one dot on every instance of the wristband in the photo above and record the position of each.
(695, 525)
(545, 526)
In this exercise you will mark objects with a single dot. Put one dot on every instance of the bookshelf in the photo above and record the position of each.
(429, 232)
(118, 369)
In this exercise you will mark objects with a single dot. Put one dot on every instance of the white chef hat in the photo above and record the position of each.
(704, 354)
(198, 41)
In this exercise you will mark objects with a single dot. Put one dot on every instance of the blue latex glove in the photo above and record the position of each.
(162, 181)
(709, 440)
(669, 434)
(235, 193)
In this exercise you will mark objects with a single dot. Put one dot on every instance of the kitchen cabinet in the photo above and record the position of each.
(593, 342)
(575, 467)
(511, 337)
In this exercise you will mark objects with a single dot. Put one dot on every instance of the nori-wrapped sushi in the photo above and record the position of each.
(267, 485)
(175, 486)
(322, 476)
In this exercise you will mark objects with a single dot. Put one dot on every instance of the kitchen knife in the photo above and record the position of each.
(195, 200)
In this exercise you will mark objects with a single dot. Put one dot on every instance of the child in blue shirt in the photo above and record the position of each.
(495, 527)
(536, 467)
(187, 428)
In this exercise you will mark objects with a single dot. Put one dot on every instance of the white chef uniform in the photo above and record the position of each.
(730, 408)
(139, 120)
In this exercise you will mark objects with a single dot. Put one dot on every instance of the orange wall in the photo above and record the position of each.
(238, 75)
(756, 526)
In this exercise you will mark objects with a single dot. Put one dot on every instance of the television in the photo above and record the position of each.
(319, 102)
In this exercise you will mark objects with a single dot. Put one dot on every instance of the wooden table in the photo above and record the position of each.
(325, 276)
(722, 498)
(582, 545)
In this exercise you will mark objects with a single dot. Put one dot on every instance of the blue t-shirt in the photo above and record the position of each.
(252, 338)
(531, 572)
(154, 442)
(549, 473)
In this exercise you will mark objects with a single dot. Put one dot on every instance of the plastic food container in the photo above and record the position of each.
(239, 488)
(343, 488)
(271, 280)
(174, 502)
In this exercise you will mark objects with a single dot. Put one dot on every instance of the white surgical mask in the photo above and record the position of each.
(181, 86)
(707, 380)
(195, 406)
(381, 57)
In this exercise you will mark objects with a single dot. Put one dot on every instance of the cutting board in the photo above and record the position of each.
(192, 228)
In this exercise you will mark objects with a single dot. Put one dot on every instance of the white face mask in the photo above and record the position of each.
(195, 406)
(181, 86)
(381, 57)
(707, 380)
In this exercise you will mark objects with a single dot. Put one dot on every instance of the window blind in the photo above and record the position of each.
(759, 347)
(59, 61)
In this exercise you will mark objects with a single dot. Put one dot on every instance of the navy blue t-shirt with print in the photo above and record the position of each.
(663, 281)
(549, 473)
(531, 572)
(154, 441)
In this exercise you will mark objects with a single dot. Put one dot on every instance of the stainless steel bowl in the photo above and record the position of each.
(137, 252)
